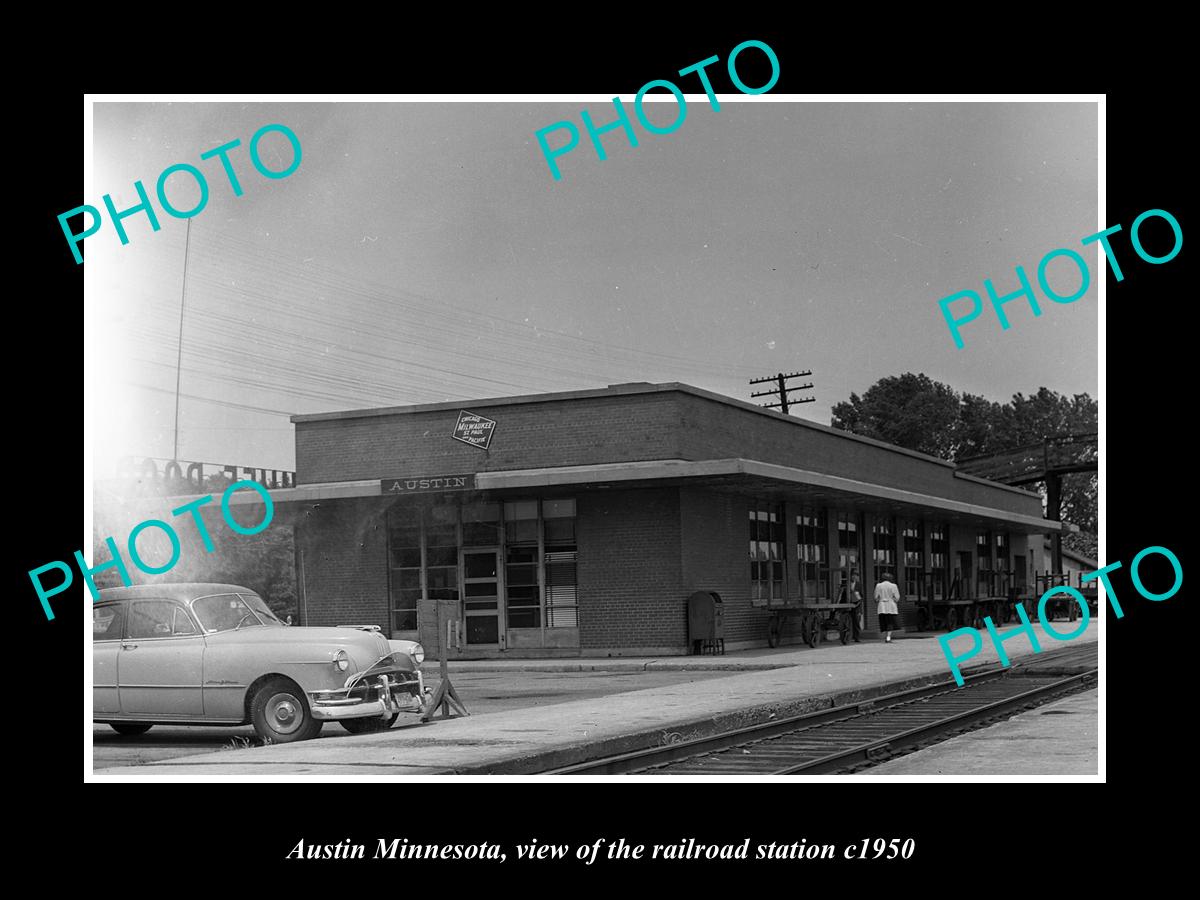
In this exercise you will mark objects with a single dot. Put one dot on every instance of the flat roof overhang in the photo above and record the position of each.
(766, 479)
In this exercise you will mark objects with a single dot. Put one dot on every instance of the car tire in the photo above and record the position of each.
(280, 714)
(129, 729)
(368, 724)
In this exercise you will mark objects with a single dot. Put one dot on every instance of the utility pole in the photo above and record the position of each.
(781, 390)
(187, 243)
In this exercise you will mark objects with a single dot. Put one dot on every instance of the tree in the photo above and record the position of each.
(907, 410)
(916, 412)
(978, 427)
(1026, 420)
(261, 562)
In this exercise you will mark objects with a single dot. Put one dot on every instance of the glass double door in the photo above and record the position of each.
(482, 593)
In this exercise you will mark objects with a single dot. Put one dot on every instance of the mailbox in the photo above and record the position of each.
(706, 624)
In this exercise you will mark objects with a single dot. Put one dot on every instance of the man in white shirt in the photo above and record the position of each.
(887, 595)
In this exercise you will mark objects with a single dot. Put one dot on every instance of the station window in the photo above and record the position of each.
(766, 552)
(550, 601)
(983, 569)
(1002, 551)
(812, 553)
(521, 521)
(848, 543)
(939, 559)
(914, 556)
(1002, 562)
(441, 552)
(523, 601)
(883, 530)
(983, 548)
(561, 553)
(481, 525)
(404, 557)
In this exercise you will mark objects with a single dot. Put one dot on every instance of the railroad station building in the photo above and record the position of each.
(578, 523)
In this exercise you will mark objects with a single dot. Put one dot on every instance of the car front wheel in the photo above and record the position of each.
(130, 728)
(280, 713)
(369, 724)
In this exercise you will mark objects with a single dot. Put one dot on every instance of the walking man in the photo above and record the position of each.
(886, 596)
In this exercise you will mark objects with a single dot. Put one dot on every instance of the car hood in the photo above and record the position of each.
(319, 643)
(271, 634)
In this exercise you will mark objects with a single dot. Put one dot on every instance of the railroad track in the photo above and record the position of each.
(858, 735)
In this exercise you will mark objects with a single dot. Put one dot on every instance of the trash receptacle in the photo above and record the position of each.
(706, 623)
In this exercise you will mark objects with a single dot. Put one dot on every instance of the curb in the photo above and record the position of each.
(652, 666)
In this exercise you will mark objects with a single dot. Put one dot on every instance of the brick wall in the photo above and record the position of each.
(345, 563)
(628, 570)
(715, 557)
(622, 427)
(530, 435)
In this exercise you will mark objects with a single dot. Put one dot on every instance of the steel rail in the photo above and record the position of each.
(653, 757)
(873, 751)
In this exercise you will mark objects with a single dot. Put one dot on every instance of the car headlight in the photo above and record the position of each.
(341, 661)
(418, 654)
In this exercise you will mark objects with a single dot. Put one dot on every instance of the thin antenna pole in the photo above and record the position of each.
(187, 241)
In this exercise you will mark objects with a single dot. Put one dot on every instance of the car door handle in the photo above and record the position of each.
(129, 646)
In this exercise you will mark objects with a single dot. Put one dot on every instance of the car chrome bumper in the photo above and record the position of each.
(390, 697)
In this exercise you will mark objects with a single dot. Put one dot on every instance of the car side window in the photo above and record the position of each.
(182, 624)
(154, 618)
(224, 612)
(107, 622)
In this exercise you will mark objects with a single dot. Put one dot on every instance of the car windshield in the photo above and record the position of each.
(264, 612)
(229, 612)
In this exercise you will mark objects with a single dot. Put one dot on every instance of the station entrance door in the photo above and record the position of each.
(481, 593)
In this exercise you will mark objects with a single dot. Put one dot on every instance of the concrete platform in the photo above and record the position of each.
(1056, 739)
(532, 740)
(743, 661)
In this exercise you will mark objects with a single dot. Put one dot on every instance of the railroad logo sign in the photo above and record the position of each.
(474, 429)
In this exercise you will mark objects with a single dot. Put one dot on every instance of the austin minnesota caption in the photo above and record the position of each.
(401, 848)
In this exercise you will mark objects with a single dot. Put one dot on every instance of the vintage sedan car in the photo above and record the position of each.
(215, 654)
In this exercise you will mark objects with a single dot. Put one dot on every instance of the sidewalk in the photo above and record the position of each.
(530, 740)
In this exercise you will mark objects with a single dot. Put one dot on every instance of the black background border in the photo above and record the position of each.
(1147, 432)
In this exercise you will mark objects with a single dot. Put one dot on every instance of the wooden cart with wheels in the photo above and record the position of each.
(1061, 604)
(1091, 593)
(950, 611)
(817, 618)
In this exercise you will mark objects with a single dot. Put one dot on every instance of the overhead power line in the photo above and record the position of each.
(781, 390)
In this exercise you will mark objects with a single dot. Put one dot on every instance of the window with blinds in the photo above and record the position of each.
(559, 560)
(562, 609)
(523, 601)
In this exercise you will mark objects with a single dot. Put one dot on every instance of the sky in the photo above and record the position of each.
(423, 252)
